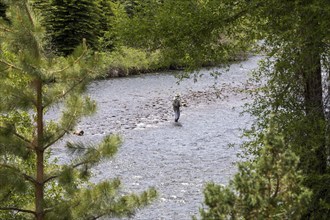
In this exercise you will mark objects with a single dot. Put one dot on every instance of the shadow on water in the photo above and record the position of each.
(176, 158)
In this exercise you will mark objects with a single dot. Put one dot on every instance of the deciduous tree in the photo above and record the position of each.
(268, 187)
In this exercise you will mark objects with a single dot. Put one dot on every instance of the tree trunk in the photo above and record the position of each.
(315, 151)
(39, 186)
(314, 110)
(311, 49)
(313, 86)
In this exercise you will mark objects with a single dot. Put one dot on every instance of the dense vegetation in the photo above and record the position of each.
(286, 170)
(32, 81)
(295, 37)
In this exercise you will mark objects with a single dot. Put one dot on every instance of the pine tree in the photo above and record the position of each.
(32, 81)
(106, 39)
(68, 22)
(267, 187)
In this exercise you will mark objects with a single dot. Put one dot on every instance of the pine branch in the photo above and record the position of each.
(55, 140)
(18, 210)
(32, 146)
(5, 197)
(91, 71)
(5, 69)
(4, 29)
(68, 91)
(50, 178)
(22, 138)
(16, 170)
(11, 65)
(80, 164)
(26, 7)
(86, 161)
(67, 67)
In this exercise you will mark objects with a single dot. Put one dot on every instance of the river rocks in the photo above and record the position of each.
(79, 132)
(144, 113)
(116, 72)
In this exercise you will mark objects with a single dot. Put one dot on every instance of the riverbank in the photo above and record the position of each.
(130, 62)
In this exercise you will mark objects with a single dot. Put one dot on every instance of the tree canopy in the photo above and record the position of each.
(68, 22)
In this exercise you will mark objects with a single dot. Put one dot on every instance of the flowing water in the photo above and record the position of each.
(178, 159)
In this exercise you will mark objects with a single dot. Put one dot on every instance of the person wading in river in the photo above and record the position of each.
(176, 107)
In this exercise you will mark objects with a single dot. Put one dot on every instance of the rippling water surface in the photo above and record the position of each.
(177, 159)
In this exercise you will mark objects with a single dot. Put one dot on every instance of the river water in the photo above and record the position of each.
(178, 159)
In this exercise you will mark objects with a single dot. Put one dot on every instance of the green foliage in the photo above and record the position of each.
(103, 198)
(32, 81)
(68, 22)
(295, 40)
(297, 53)
(71, 21)
(187, 32)
(106, 38)
(268, 187)
(130, 59)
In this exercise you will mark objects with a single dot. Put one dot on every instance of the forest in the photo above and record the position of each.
(50, 50)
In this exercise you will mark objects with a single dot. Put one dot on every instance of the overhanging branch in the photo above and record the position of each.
(4, 29)
(68, 91)
(26, 7)
(18, 210)
(30, 144)
(55, 140)
(16, 170)
(10, 65)
(50, 178)
(67, 67)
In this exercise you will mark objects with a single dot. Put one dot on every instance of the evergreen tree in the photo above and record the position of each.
(106, 39)
(69, 21)
(32, 82)
(269, 187)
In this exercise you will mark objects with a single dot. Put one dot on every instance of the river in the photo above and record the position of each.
(178, 159)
